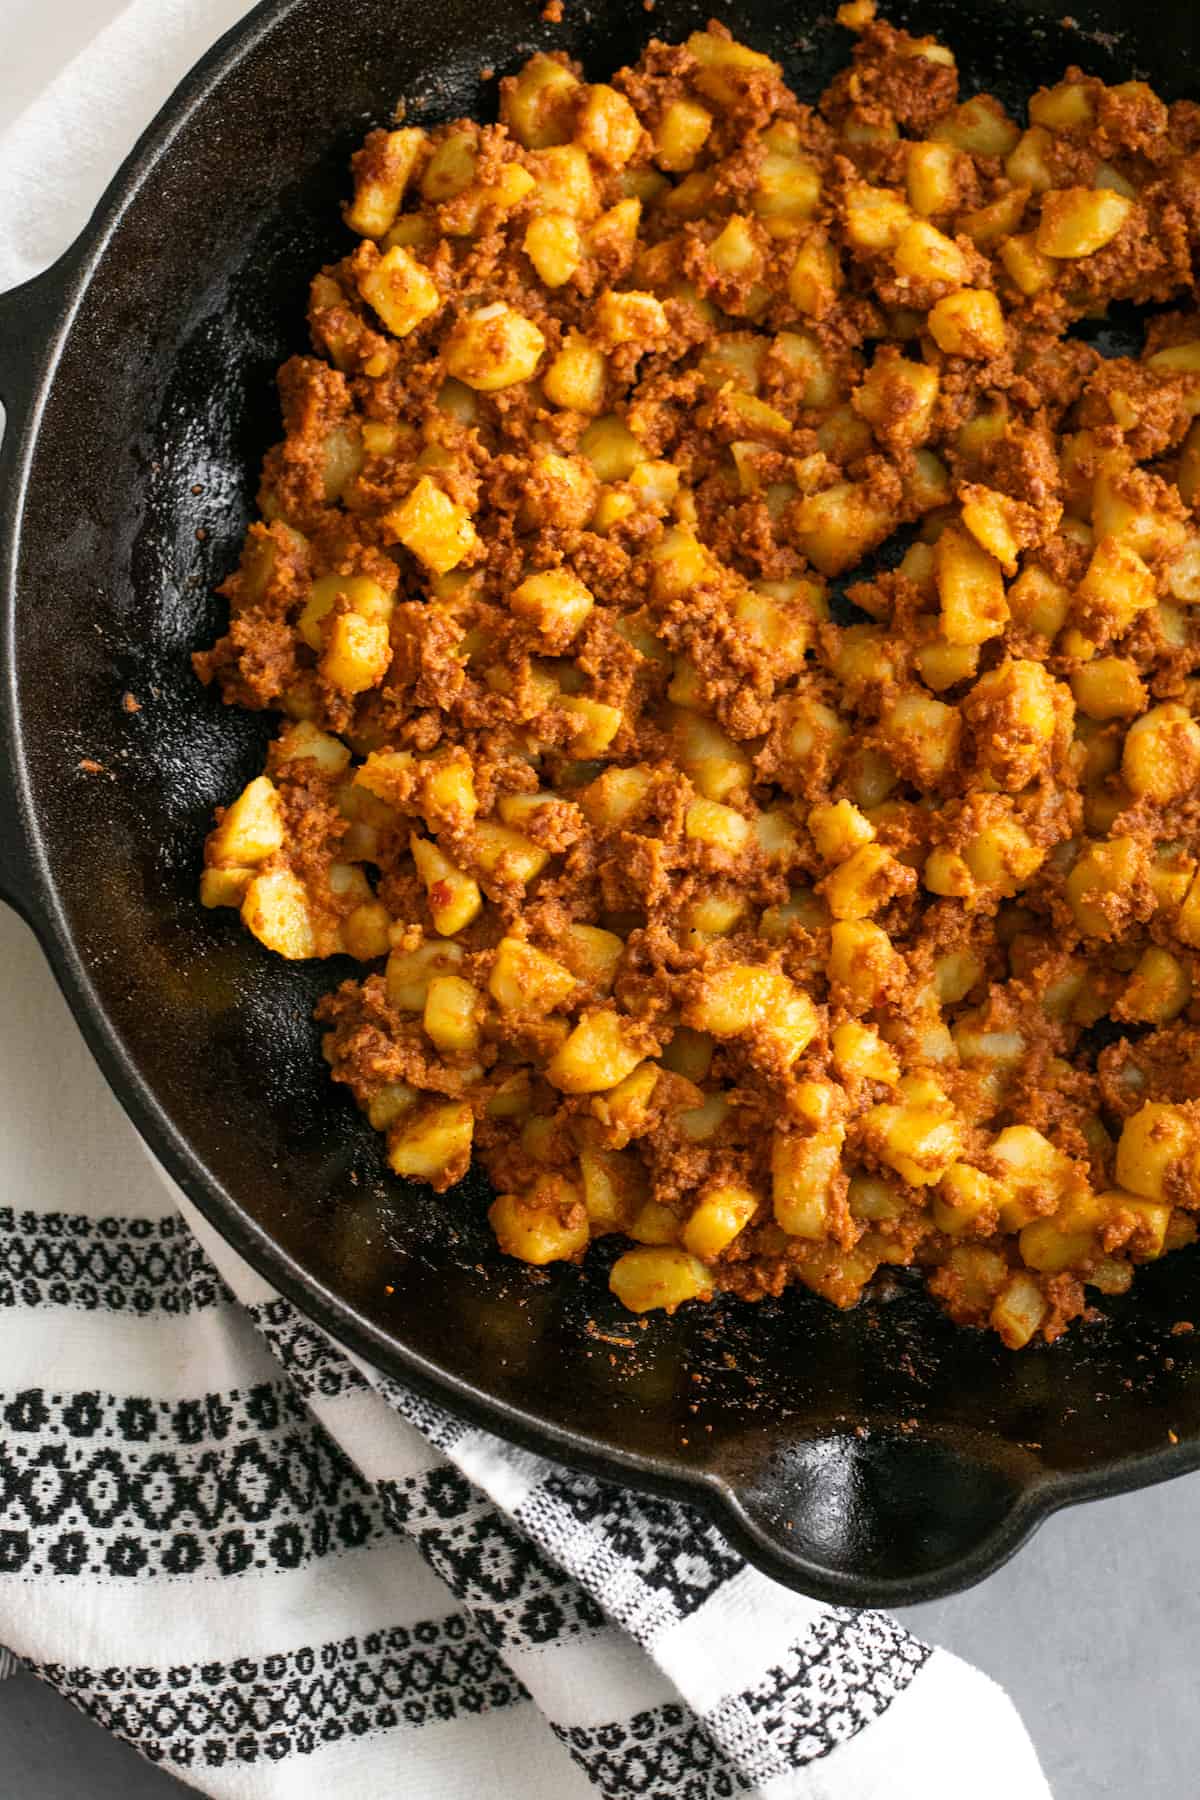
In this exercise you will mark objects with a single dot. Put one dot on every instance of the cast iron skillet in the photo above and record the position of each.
(879, 1456)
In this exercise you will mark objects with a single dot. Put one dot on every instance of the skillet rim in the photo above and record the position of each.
(29, 355)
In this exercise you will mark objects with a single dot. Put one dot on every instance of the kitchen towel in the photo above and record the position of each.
(279, 1573)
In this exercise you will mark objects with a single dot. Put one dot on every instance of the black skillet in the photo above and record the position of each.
(879, 1456)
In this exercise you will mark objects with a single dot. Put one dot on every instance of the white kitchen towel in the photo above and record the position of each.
(280, 1574)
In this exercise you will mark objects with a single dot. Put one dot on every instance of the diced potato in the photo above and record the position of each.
(708, 822)
(401, 290)
(603, 1048)
(363, 595)
(1158, 990)
(577, 377)
(804, 1174)
(548, 1224)
(718, 1216)
(595, 724)
(435, 528)
(1161, 758)
(224, 886)
(923, 736)
(556, 602)
(919, 1136)
(524, 979)
(859, 1054)
(723, 63)
(539, 105)
(979, 125)
(1101, 880)
(565, 183)
(876, 218)
(499, 850)
(627, 318)
(1028, 268)
(838, 829)
(897, 398)
(659, 1276)
(967, 1201)
(932, 175)
(451, 1016)
(607, 126)
(1078, 221)
(357, 653)
(409, 972)
(615, 796)
(454, 898)
(969, 323)
(435, 1146)
(925, 254)
(815, 277)
(970, 588)
(554, 247)
(836, 527)
(1018, 1310)
(1108, 687)
(611, 448)
(492, 348)
(382, 171)
(866, 881)
(251, 829)
(1158, 1153)
(1116, 586)
(592, 954)
(275, 908)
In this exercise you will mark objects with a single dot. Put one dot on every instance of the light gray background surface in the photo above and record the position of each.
(1094, 1628)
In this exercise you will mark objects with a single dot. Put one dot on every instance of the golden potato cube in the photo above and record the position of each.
(681, 134)
(989, 517)
(275, 908)
(364, 596)
(1157, 1153)
(577, 377)
(970, 589)
(865, 881)
(556, 602)
(224, 886)
(1028, 163)
(565, 183)
(717, 1218)
(804, 1171)
(595, 724)
(863, 962)
(614, 797)
(611, 448)
(435, 1146)
(539, 105)
(918, 1140)
(450, 170)
(499, 850)
(787, 193)
(897, 398)
(1001, 856)
(303, 742)
(251, 829)
(628, 317)
(923, 735)
(1018, 1310)
(836, 527)
(548, 1224)
(366, 931)
(969, 323)
(923, 253)
(1116, 586)
(1060, 108)
(838, 829)
(492, 348)
(967, 1200)
(598, 1054)
(860, 1054)
(722, 61)
(1038, 602)
(390, 1103)
(979, 125)
(1161, 758)
(1027, 267)
(401, 290)
(592, 954)
(607, 127)
(409, 972)
(554, 247)
(357, 653)
(732, 999)
(1108, 687)
(659, 1276)
(942, 665)
(382, 171)
(1187, 924)
(435, 528)
(1078, 221)
(454, 898)
(524, 979)
(451, 1016)
(708, 822)
(876, 218)
(987, 225)
(815, 276)
(932, 177)
(1158, 990)
(1099, 883)
(614, 1186)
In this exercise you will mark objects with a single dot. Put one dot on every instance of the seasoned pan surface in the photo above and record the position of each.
(875, 1456)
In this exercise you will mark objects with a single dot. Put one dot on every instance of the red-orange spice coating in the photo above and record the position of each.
(721, 883)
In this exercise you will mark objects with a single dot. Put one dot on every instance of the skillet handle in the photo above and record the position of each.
(30, 316)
